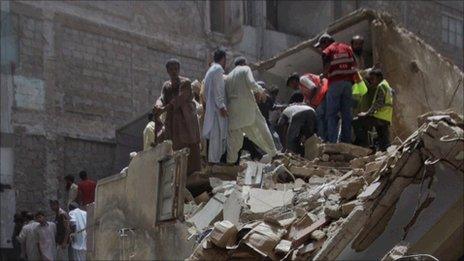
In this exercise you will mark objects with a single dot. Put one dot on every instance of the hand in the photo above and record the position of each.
(362, 114)
(223, 112)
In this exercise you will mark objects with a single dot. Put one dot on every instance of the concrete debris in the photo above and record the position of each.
(224, 234)
(263, 200)
(297, 208)
(397, 252)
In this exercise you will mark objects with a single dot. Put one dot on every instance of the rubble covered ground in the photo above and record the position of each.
(343, 196)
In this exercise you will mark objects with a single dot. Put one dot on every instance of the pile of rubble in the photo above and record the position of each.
(297, 209)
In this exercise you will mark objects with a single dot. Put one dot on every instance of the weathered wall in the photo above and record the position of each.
(424, 18)
(422, 79)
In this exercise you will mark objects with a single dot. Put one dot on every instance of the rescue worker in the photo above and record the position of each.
(357, 45)
(314, 90)
(245, 119)
(379, 115)
(340, 70)
(296, 124)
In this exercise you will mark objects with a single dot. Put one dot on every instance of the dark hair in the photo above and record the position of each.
(293, 77)
(240, 61)
(296, 97)
(150, 116)
(39, 213)
(171, 62)
(357, 38)
(376, 72)
(73, 205)
(69, 177)
(54, 201)
(28, 216)
(219, 54)
(83, 174)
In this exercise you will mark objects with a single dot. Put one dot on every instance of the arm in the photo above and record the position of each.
(378, 103)
(219, 90)
(185, 95)
(251, 83)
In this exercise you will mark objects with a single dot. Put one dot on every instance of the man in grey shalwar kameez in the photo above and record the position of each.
(215, 122)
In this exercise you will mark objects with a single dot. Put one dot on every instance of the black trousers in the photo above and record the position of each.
(361, 127)
(302, 124)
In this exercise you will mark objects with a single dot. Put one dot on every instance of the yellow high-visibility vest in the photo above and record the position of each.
(386, 112)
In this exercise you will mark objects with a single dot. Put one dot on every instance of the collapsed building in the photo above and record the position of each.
(339, 202)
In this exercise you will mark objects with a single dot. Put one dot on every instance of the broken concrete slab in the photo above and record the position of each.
(253, 173)
(263, 200)
(283, 246)
(345, 148)
(224, 234)
(333, 211)
(348, 207)
(233, 207)
(304, 234)
(312, 147)
(349, 189)
(209, 213)
(263, 238)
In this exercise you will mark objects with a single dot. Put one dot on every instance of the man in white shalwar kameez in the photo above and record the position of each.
(245, 118)
(215, 122)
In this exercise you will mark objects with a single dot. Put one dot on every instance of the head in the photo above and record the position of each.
(357, 43)
(73, 205)
(219, 56)
(18, 218)
(28, 216)
(293, 81)
(83, 175)
(324, 41)
(374, 77)
(55, 205)
(273, 91)
(40, 217)
(173, 68)
(69, 180)
(296, 98)
(240, 61)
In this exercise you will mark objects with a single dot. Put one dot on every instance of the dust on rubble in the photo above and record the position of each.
(299, 209)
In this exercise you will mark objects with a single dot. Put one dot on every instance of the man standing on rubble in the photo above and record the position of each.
(245, 119)
(181, 123)
(340, 70)
(215, 121)
(379, 115)
(357, 45)
(314, 90)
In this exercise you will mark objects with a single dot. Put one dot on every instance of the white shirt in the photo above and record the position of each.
(28, 239)
(294, 109)
(215, 100)
(78, 217)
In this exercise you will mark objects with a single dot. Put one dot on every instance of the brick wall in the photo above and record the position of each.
(30, 172)
(85, 81)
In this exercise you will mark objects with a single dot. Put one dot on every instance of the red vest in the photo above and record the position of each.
(315, 97)
(342, 62)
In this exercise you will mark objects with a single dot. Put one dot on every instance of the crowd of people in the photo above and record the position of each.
(225, 114)
(64, 237)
